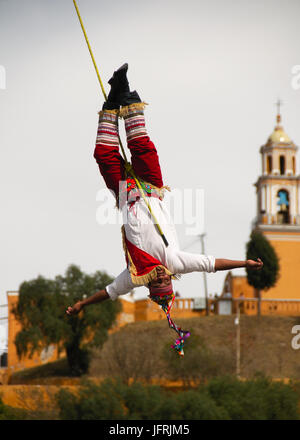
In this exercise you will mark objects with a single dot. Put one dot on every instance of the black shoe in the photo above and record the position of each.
(109, 105)
(128, 98)
(119, 83)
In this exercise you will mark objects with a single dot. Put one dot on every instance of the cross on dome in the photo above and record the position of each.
(279, 135)
(278, 105)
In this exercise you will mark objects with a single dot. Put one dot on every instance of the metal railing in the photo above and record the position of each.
(269, 305)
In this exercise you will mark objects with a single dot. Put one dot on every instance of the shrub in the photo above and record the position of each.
(259, 399)
(144, 402)
(195, 405)
(221, 399)
(93, 402)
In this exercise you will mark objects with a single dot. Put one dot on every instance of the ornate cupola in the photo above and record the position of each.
(278, 187)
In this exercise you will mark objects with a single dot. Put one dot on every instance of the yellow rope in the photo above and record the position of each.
(128, 166)
(89, 47)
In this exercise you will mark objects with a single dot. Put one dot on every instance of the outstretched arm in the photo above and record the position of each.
(121, 285)
(223, 264)
(98, 297)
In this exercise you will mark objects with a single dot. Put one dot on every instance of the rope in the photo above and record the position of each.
(90, 50)
(128, 166)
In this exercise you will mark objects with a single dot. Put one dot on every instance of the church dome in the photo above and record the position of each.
(279, 136)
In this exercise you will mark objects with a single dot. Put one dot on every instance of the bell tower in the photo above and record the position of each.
(278, 187)
(278, 208)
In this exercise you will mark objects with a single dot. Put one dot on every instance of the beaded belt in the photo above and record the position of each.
(134, 193)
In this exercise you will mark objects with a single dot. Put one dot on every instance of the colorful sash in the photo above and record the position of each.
(130, 192)
(166, 302)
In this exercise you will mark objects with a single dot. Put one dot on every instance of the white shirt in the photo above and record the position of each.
(141, 231)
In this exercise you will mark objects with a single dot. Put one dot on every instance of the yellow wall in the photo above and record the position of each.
(287, 247)
(126, 315)
(239, 287)
(147, 310)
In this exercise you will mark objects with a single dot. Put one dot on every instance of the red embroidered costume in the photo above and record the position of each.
(144, 248)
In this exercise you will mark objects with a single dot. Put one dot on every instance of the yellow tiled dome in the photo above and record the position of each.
(279, 136)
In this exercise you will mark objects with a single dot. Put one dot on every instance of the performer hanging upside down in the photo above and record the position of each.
(149, 261)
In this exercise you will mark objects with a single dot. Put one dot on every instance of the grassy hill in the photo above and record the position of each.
(142, 351)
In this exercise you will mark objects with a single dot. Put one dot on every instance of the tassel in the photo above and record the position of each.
(112, 112)
(148, 277)
(129, 109)
(166, 303)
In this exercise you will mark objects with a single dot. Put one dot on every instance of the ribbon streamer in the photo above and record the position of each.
(166, 302)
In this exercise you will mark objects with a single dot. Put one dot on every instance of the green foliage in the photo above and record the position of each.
(194, 405)
(259, 399)
(41, 312)
(144, 402)
(259, 247)
(117, 401)
(93, 402)
(220, 399)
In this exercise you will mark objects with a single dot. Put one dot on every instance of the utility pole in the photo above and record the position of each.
(204, 275)
(238, 341)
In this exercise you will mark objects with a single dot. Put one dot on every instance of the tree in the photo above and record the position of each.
(255, 399)
(260, 247)
(114, 400)
(41, 312)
